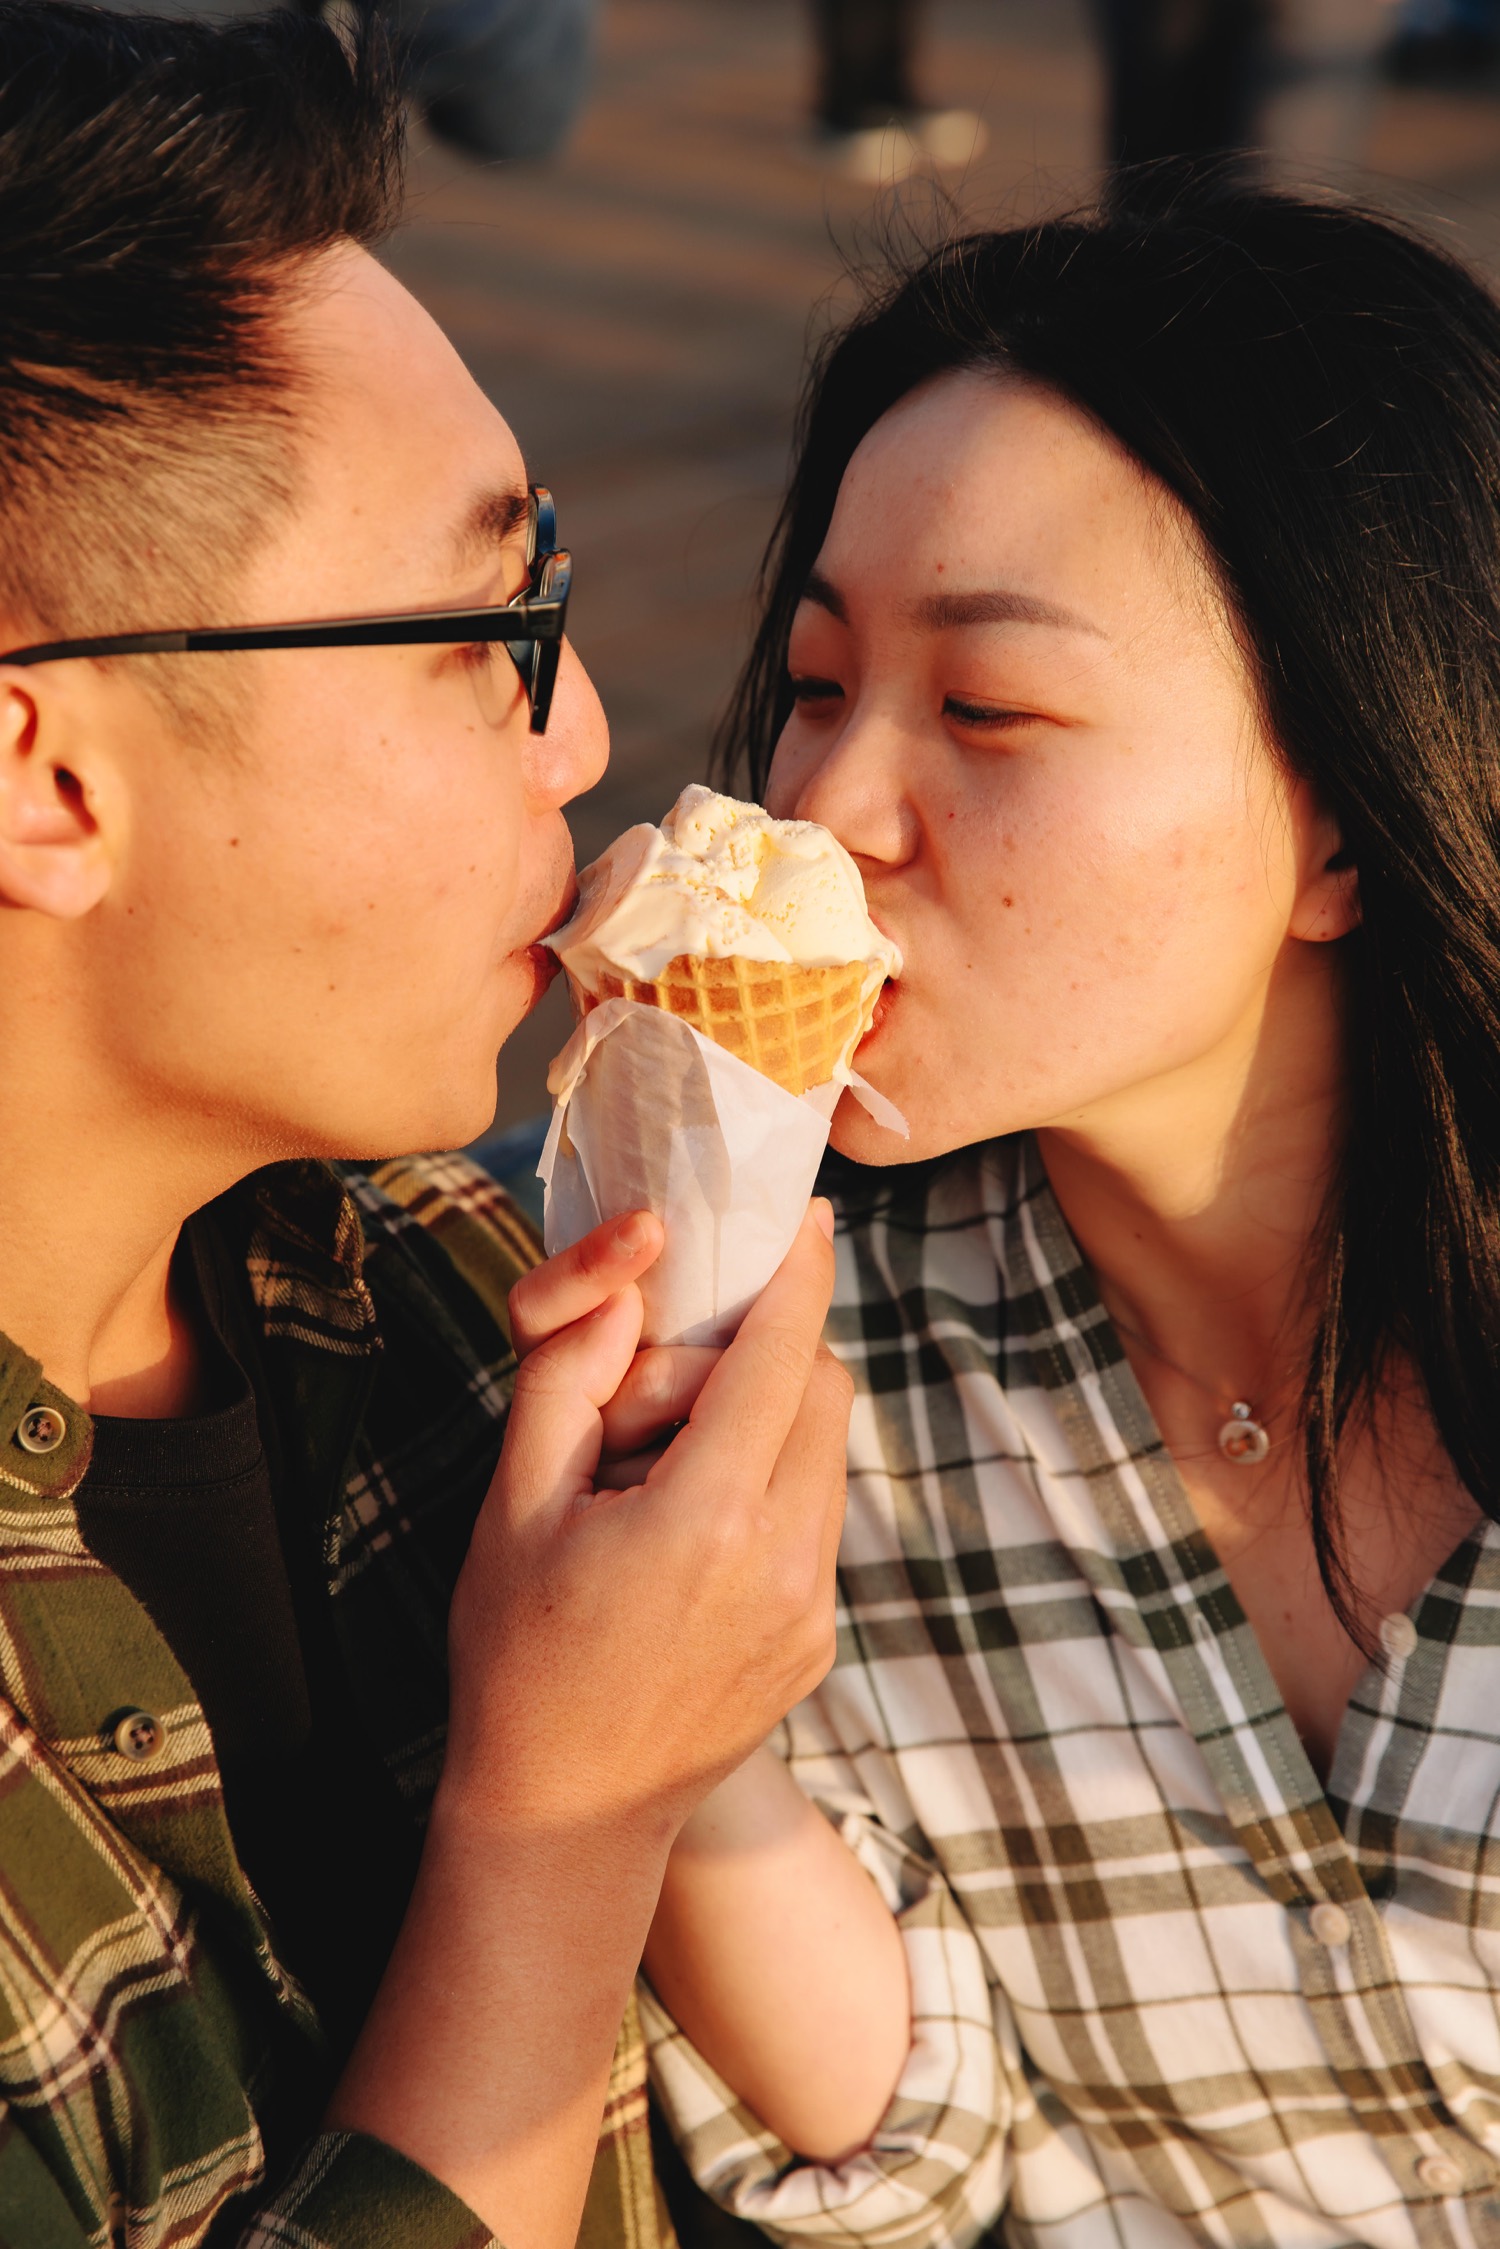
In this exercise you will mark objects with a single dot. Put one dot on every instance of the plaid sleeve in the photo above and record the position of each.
(349, 2192)
(935, 2173)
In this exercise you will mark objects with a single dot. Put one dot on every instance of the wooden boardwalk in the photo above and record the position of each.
(640, 308)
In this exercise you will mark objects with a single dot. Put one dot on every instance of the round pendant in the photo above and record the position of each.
(1242, 1439)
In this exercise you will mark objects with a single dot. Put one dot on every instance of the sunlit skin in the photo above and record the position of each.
(313, 942)
(222, 968)
(1022, 706)
(1119, 913)
(1065, 816)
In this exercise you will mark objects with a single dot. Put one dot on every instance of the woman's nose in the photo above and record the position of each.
(854, 786)
(571, 756)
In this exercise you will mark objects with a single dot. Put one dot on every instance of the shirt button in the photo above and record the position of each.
(1398, 1636)
(139, 1736)
(1438, 2175)
(41, 1429)
(1331, 1925)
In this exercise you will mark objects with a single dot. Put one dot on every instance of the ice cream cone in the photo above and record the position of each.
(796, 1025)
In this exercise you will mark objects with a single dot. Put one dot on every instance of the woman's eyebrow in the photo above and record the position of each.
(1002, 606)
(826, 595)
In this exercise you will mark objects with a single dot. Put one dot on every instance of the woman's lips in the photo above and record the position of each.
(885, 1000)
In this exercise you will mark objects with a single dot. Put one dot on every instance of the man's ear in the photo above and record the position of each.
(52, 856)
(1328, 901)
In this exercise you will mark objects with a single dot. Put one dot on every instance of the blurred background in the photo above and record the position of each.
(639, 305)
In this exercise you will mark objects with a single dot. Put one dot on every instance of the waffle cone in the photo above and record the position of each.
(796, 1025)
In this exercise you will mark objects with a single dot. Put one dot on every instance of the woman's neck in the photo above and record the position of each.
(1196, 1197)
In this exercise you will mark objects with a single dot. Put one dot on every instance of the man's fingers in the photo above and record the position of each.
(555, 1429)
(754, 1394)
(578, 1280)
(660, 1389)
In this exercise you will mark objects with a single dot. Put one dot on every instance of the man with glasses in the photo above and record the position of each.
(340, 1749)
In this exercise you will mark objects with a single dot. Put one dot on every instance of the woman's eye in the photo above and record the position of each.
(816, 693)
(982, 714)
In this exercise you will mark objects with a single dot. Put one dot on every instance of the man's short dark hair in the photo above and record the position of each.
(159, 180)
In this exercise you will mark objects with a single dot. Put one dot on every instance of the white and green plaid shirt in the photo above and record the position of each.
(1168, 1989)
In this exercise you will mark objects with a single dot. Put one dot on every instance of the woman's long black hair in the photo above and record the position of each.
(1321, 389)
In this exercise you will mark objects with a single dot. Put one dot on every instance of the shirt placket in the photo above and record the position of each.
(1278, 1810)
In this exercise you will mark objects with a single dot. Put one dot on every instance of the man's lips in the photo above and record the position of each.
(539, 956)
(564, 910)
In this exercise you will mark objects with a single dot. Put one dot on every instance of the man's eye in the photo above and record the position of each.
(982, 714)
(813, 691)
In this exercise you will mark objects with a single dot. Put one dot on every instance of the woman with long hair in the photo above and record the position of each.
(1134, 620)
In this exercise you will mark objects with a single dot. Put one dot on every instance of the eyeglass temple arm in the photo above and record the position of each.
(522, 619)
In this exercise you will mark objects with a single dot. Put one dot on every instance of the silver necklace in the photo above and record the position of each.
(1243, 1438)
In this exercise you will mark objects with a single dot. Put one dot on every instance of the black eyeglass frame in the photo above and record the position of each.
(542, 609)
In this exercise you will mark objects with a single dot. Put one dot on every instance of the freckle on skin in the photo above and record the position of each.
(1007, 901)
(234, 843)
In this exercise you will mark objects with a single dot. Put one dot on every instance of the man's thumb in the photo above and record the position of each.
(554, 1433)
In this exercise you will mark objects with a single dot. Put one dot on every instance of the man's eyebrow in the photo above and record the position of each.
(489, 521)
(1002, 606)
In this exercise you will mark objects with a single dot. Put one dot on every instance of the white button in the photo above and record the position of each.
(1200, 1628)
(1330, 1924)
(139, 1735)
(1438, 2175)
(1398, 1636)
(41, 1429)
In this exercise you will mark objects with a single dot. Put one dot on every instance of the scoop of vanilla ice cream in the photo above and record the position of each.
(719, 880)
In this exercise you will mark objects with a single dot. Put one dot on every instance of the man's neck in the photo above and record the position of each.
(92, 1200)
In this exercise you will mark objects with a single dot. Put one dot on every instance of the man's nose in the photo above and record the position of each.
(571, 756)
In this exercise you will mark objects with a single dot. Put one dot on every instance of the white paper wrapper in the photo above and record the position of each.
(650, 1115)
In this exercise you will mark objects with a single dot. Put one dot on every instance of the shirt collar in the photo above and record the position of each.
(305, 1260)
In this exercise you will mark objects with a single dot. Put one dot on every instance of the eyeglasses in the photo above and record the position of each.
(540, 610)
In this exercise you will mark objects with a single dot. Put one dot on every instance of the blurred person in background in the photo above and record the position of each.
(499, 79)
(1444, 42)
(1184, 82)
(871, 122)
(1185, 78)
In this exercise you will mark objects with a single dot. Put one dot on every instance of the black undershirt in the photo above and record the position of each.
(195, 1519)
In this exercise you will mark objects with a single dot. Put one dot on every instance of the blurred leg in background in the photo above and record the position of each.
(865, 54)
(1185, 77)
(871, 121)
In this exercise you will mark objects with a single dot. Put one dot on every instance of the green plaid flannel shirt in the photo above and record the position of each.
(1168, 1989)
(146, 2026)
